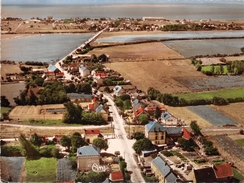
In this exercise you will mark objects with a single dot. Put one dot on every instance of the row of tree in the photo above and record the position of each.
(52, 93)
(79, 88)
(172, 100)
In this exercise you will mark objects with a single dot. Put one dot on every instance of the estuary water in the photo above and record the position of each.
(42, 48)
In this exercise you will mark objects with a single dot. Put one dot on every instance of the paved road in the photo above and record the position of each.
(124, 144)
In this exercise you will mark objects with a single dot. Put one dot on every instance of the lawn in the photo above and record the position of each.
(5, 110)
(240, 142)
(237, 175)
(229, 93)
(42, 170)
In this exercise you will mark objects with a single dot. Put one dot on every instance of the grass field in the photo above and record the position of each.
(240, 142)
(216, 67)
(42, 170)
(229, 93)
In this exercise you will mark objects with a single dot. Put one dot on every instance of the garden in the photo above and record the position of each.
(42, 170)
(230, 146)
(212, 116)
(65, 173)
(12, 168)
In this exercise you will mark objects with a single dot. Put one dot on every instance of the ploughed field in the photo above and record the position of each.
(212, 116)
(158, 66)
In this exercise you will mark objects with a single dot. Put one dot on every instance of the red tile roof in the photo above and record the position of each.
(58, 136)
(117, 176)
(162, 108)
(223, 170)
(60, 74)
(90, 106)
(92, 132)
(186, 134)
(50, 73)
(101, 74)
(138, 111)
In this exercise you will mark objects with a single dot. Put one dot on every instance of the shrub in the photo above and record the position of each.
(167, 153)
(12, 151)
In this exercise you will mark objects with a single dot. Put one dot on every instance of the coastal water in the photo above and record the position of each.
(42, 48)
(189, 48)
(52, 47)
(172, 34)
(193, 11)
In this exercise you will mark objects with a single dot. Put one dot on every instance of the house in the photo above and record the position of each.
(223, 172)
(80, 97)
(137, 109)
(116, 176)
(84, 71)
(103, 113)
(151, 108)
(73, 67)
(100, 74)
(90, 135)
(204, 175)
(162, 171)
(53, 68)
(118, 90)
(186, 134)
(86, 157)
(169, 119)
(216, 173)
(159, 134)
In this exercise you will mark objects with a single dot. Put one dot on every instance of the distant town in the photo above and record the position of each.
(122, 113)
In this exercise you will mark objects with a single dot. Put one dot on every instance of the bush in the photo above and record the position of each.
(167, 153)
(12, 151)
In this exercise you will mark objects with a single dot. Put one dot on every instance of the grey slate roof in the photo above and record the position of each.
(156, 127)
(173, 130)
(171, 177)
(79, 96)
(89, 150)
(162, 166)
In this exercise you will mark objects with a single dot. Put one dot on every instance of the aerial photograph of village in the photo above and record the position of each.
(133, 91)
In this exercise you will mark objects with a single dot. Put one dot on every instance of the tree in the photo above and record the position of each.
(36, 140)
(195, 128)
(139, 135)
(77, 141)
(65, 141)
(102, 58)
(4, 101)
(31, 152)
(141, 145)
(242, 49)
(187, 145)
(102, 144)
(219, 101)
(143, 118)
(157, 113)
(73, 113)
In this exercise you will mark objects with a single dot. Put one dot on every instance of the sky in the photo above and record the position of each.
(113, 1)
